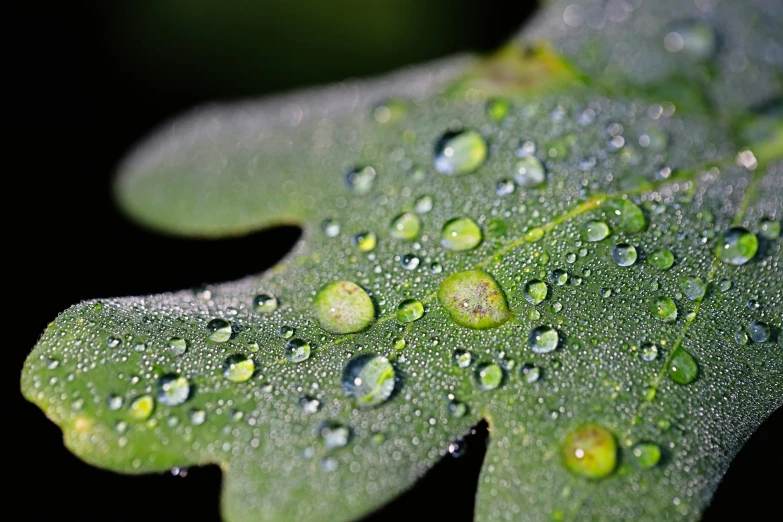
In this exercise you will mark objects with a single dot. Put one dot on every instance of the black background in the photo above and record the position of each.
(80, 97)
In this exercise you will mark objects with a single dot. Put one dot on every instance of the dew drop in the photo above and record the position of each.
(529, 172)
(173, 389)
(530, 372)
(343, 307)
(178, 346)
(497, 108)
(473, 299)
(626, 214)
(264, 303)
(113, 342)
(309, 405)
(682, 367)
(460, 152)
(663, 308)
(559, 277)
(219, 330)
(369, 380)
(410, 310)
(197, 417)
(535, 291)
(390, 111)
(662, 259)
(759, 332)
(696, 40)
(462, 358)
(238, 368)
(457, 409)
(736, 246)
(410, 262)
(285, 332)
(504, 187)
(624, 254)
(330, 227)
(646, 454)
(141, 407)
(595, 230)
(406, 226)
(543, 339)
(334, 435)
(297, 350)
(649, 352)
(360, 179)
(436, 268)
(489, 376)
(769, 229)
(423, 205)
(590, 451)
(114, 402)
(460, 234)
(693, 287)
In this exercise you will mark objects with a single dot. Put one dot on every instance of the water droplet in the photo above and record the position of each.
(264, 303)
(462, 358)
(460, 152)
(141, 407)
(343, 307)
(605, 292)
(543, 339)
(473, 299)
(741, 338)
(406, 226)
(590, 451)
(489, 376)
(113, 342)
(624, 254)
(309, 404)
(369, 379)
(530, 372)
(529, 172)
(649, 352)
(330, 227)
(297, 350)
(410, 310)
(178, 346)
(360, 179)
(724, 285)
(753, 305)
(423, 205)
(329, 464)
(758, 331)
(173, 389)
(286, 332)
(457, 409)
(663, 308)
(410, 262)
(693, 287)
(219, 330)
(736, 246)
(696, 40)
(334, 435)
(114, 402)
(534, 234)
(52, 363)
(535, 291)
(662, 259)
(504, 187)
(197, 417)
(497, 108)
(769, 229)
(626, 214)
(390, 111)
(682, 367)
(436, 268)
(646, 454)
(460, 234)
(595, 230)
(238, 368)
(559, 277)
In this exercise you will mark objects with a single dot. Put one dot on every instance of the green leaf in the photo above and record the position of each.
(437, 284)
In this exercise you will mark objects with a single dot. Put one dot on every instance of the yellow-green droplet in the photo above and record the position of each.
(410, 310)
(474, 300)
(662, 259)
(369, 379)
(489, 376)
(219, 330)
(535, 291)
(406, 226)
(365, 241)
(646, 454)
(626, 214)
(590, 451)
(460, 234)
(460, 152)
(141, 407)
(663, 308)
(682, 367)
(238, 368)
(736, 246)
(497, 108)
(595, 230)
(343, 307)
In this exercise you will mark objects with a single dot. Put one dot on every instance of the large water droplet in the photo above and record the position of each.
(173, 389)
(460, 234)
(559, 277)
(460, 152)
(595, 230)
(238, 368)
(473, 299)
(178, 346)
(663, 308)
(624, 254)
(535, 291)
(410, 310)
(682, 367)
(590, 451)
(758, 331)
(297, 350)
(365, 241)
(662, 259)
(646, 454)
(369, 379)
(489, 376)
(504, 187)
(141, 407)
(343, 307)
(264, 303)
(543, 339)
(693, 287)
(736, 246)
(219, 330)
(360, 179)
(529, 172)
(406, 226)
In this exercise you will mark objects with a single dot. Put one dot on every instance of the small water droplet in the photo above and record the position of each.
(535, 291)
(365, 241)
(753, 305)
(460, 152)
(462, 358)
(624, 254)
(406, 226)
(649, 352)
(390, 111)
(423, 205)
(329, 464)
(113, 342)
(264, 303)
(696, 40)
(559, 277)
(309, 404)
(330, 227)
(758, 331)
(457, 409)
(594, 231)
(530, 372)
(141, 407)
(219, 330)
(682, 367)
(460, 234)
(173, 389)
(410, 310)
(590, 451)
(360, 179)
(497, 108)
(693, 287)
(529, 172)
(646, 454)
(543, 339)
(286, 332)
(663, 308)
(626, 214)
(114, 402)
(334, 435)
(724, 285)
(410, 262)
(238, 368)
(178, 346)
(662, 259)
(457, 448)
(489, 376)
(436, 268)
(769, 229)
(197, 417)
(736, 246)
(297, 350)
(343, 307)
(741, 338)
(504, 187)
(369, 380)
